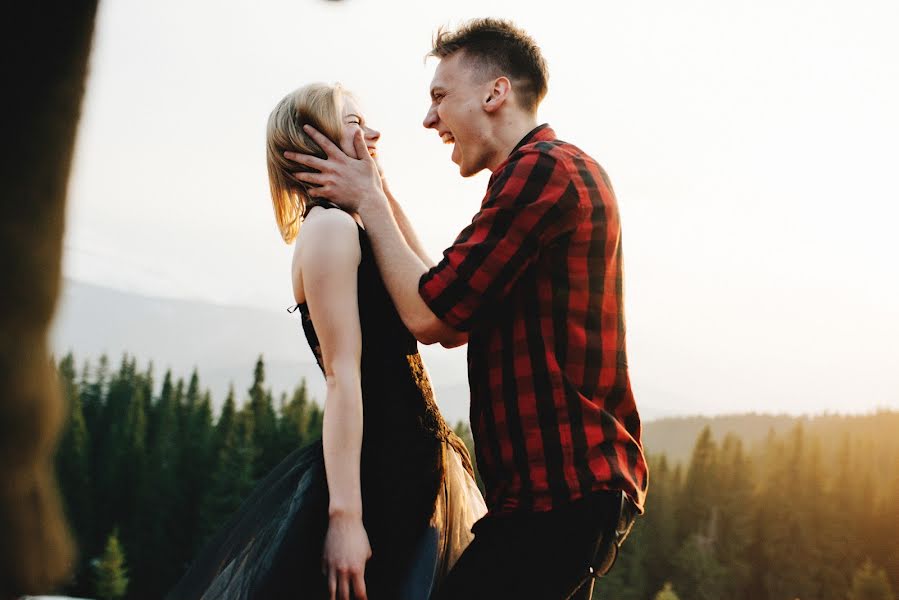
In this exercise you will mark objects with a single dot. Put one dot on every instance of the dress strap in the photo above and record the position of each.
(318, 202)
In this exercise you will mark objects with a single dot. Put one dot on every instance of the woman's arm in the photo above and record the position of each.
(329, 260)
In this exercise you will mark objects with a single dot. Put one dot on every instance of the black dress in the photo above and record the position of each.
(418, 494)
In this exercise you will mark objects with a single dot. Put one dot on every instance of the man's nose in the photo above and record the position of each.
(430, 118)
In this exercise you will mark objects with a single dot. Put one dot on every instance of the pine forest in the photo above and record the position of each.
(148, 472)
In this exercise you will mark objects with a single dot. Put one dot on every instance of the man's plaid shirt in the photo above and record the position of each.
(536, 281)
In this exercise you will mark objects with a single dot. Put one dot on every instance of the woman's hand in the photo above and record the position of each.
(345, 554)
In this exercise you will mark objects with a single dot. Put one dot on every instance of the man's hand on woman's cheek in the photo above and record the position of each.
(348, 182)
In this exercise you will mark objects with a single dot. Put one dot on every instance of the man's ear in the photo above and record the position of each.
(498, 94)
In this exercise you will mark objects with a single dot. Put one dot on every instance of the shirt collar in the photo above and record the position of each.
(540, 133)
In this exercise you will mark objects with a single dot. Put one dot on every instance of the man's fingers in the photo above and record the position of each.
(359, 586)
(327, 145)
(359, 144)
(319, 192)
(314, 178)
(306, 160)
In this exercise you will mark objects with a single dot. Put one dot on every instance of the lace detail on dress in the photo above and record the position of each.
(311, 336)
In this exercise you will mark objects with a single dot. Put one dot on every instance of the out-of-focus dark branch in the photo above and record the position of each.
(45, 48)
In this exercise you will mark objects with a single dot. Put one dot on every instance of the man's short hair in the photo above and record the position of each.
(498, 48)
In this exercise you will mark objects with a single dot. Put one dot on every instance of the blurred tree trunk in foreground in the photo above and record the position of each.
(45, 49)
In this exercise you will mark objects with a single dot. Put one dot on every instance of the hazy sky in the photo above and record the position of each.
(752, 145)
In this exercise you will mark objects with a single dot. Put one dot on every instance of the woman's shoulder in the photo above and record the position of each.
(328, 236)
(327, 213)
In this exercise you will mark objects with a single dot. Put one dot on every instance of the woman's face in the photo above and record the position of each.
(352, 121)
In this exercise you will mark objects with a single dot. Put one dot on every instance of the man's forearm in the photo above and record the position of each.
(401, 269)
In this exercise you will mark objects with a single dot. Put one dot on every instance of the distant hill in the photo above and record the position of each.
(676, 436)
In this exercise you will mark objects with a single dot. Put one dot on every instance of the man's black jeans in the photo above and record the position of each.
(539, 556)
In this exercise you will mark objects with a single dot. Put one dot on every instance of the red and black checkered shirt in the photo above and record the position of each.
(536, 281)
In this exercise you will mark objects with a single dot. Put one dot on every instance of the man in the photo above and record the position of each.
(535, 282)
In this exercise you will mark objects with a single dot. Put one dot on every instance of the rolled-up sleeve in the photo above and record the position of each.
(530, 202)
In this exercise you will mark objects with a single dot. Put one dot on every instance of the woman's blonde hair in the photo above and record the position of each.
(316, 104)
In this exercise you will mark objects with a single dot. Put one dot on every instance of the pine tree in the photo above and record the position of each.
(190, 405)
(159, 536)
(869, 583)
(831, 574)
(265, 439)
(134, 464)
(194, 465)
(838, 540)
(699, 498)
(660, 522)
(735, 524)
(93, 388)
(316, 418)
(93, 391)
(293, 424)
(145, 381)
(111, 572)
(666, 593)
(698, 572)
(119, 437)
(775, 527)
(73, 454)
(73, 466)
(225, 422)
(232, 479)
(889, 520)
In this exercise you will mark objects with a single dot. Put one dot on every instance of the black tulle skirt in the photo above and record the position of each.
(271, 547)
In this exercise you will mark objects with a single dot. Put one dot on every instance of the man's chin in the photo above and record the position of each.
(464, 170)
(468, 170)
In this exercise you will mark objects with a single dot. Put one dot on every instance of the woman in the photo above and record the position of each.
(383, 505)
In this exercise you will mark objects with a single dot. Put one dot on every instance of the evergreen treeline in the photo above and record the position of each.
(800, 516)
(147, 478)
(675, 436)
(809, 513)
